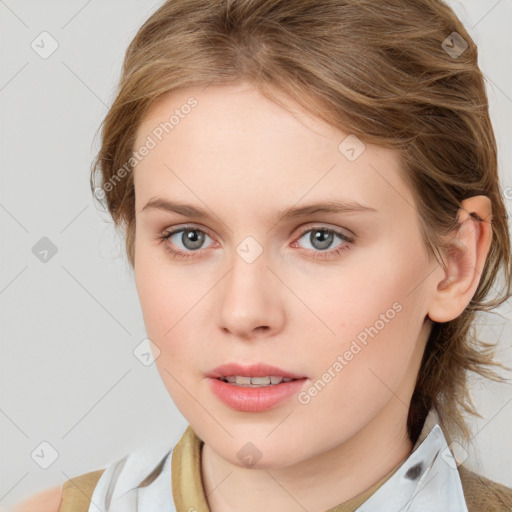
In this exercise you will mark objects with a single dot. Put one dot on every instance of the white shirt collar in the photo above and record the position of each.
(428, 481)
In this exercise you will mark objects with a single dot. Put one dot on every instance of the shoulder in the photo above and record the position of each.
(45, 501)
(77, 492)
(121, 481)
(484, 494)
(74, 495)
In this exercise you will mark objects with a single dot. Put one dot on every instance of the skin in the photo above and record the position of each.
(48, 500)
(243, 158)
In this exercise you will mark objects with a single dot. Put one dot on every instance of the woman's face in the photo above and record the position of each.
(343, 311)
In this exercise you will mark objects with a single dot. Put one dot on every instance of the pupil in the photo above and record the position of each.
(192, 238)
(321, 237)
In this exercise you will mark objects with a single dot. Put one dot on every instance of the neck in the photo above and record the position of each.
(317, 483)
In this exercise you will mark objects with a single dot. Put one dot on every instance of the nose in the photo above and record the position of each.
(250, 301)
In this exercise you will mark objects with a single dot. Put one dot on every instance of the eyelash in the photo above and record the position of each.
(321, 255)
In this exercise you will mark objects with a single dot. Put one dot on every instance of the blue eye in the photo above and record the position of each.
(191, 239)
(320, 238)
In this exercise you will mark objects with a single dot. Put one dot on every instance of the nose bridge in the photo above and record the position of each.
(249, 273)
(249, 298)
(250, 250)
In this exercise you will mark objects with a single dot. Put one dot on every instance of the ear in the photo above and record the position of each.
(465, 255)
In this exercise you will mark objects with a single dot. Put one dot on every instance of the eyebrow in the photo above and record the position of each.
(329, 206)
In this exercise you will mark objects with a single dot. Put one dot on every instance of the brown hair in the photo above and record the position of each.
(379, 69)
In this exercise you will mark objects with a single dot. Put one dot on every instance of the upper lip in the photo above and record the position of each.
(252, 370)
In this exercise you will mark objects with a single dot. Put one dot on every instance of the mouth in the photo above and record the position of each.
(255, 388)
(253, 375)
(254, 382)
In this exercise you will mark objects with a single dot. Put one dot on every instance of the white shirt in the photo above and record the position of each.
(428, 481)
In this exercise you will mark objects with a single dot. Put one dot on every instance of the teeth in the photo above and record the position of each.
(254, 381)
(259, 380)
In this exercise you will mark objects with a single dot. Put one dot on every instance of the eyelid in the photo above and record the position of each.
(320, 226)
(319, 255)
(347, 239)
(182, 227)
(301, 229)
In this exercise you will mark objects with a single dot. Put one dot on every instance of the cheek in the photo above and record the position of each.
(161, 300)
(357, 377)
(162, 289)
(173, 311)
(369, 291)
(164, 308)
(375, 314)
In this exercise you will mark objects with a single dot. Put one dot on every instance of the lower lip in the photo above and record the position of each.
(247, 399)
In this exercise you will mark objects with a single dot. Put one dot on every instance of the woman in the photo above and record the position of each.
(311, 206)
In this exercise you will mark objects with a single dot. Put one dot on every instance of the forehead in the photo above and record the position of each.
(237, 144)
(238, 110)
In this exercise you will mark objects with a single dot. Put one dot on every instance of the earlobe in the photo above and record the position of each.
(465, 253)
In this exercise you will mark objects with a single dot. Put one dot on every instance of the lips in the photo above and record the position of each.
(255, 399)
(253, 370)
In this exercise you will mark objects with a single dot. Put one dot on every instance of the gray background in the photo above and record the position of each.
(70, 325)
